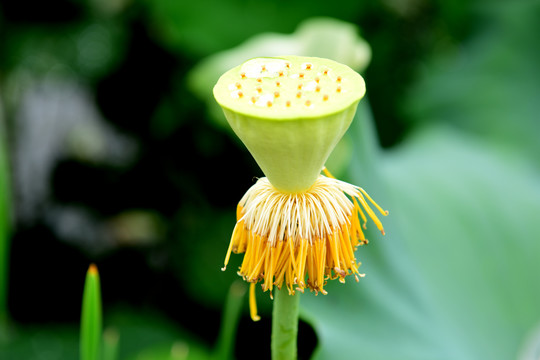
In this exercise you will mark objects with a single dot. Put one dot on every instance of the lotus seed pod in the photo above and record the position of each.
(290, 112)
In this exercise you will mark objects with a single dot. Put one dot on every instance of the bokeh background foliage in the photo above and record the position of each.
(113, 153)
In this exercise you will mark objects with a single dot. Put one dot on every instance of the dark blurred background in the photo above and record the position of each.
(115, 160)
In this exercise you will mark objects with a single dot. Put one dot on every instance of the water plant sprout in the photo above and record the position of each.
(295, 226)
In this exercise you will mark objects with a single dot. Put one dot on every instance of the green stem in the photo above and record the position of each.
(284, 325)
(5, 230)
(229, 324)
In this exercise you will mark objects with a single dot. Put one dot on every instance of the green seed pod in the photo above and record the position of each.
(290, 112)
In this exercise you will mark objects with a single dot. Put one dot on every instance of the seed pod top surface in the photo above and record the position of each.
(289, 88)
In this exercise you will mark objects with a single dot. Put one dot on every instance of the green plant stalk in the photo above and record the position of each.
(91, 317)
(5, 230)
(4, 265)
(231, 315)
(285, 325)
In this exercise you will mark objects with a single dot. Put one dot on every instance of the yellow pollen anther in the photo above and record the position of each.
(276, 94)
(259, 89)
(253, 99)
(253, 303)
(263, 68)
(318, 88)
(338, 89)
(325, 97)
(301, 75)
(299, 94)
(269, 103)
(325, 72)
(338, 79)
(308, 66)
(317, 79)
(308, 103)
(278, 83)
(238, 85)
(300, 87)
(259, 80)
(240, 94)
(288, 103)
(288, 65)
(243, 75)
(281, 73)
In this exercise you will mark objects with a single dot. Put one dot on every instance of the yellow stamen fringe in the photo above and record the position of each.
(302, 239)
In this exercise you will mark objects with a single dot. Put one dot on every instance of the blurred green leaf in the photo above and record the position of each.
(206, 246)
(141, 333)
(89, 49)
(110, 343)
(175, 351)
(51, 342)
(228, 23)
(456, 277)
(145, 334)
(490, 84)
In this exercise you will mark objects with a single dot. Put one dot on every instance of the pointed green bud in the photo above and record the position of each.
(91, 317)
(290, 112)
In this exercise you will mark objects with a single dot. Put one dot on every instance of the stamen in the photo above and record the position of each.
(327, 173)
(243, 75)
(359, 210)
(276, 94)
(253, 303)
(317, 88)
(338, 89)
(300, 239)
(269, 103)
(228, 256)
(325, 97)
(299, 94)
(338, 79)
(383, 212)
(308, 103)
(288, 103)
(371, 213)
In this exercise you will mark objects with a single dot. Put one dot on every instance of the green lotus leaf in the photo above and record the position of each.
(456, 277)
